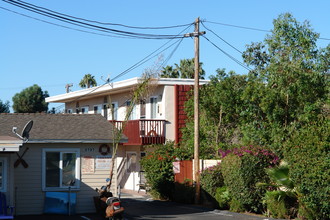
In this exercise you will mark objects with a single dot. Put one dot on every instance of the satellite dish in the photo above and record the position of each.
(26, 130)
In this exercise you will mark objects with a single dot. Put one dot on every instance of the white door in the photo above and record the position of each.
(131, 171)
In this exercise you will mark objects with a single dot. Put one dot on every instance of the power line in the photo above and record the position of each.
(249, 28)
(69, 20)
(63, 26)
(170, 56)
(237, 26)
(151, 55)
(106, 23)
(144, 60)
(231, 57)
(221, 38)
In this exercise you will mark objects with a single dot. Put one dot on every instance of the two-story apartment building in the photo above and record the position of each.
(156, 118)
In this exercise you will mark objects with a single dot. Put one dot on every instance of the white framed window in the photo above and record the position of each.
(84, 110)
(153, 107)
(60, 169)
(3, 174)
(97, 109)
(143, 108)
(105, 111)
(132, 116)
(115, 110)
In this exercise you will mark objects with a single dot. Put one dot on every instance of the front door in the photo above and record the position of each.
(131, 170)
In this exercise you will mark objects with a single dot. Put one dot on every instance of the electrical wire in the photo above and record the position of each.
(152, 55)
(237, 26)
(222, 39)
(88, 25)
(106, 23)
(142, 61)
(249, 28)
(63, 26)
(170, 56)
(231, 57)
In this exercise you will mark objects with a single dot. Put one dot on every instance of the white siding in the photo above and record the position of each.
(30, 197)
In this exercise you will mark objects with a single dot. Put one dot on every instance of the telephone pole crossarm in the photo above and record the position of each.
(195, 34)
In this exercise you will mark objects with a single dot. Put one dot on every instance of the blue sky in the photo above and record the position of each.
(35, 52)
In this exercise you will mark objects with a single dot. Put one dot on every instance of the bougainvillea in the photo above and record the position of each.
(265, 155)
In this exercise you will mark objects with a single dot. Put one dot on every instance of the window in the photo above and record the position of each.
(115, 110)
(69, 111)
(105, 111)
(61, 168)
(142, 109)
(153, 107)
(97, 109)
(3, 174)
(84, 110)
(132, 116)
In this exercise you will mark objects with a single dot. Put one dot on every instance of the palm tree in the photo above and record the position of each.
(169, 72)
(88, 81)
(186, 70)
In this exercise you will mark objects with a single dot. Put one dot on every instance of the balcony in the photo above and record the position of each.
(143, 131)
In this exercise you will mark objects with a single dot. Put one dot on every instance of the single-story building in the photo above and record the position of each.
(64, 152)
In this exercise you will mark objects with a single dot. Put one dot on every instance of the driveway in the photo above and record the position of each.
(141, 206)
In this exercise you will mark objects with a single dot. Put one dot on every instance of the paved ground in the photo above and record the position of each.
(140, 206)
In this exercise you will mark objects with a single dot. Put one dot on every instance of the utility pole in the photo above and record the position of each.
(196, 176)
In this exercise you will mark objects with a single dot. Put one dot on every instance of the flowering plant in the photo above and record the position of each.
(263, 154)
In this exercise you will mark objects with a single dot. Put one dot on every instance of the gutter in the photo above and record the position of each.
(74, 141)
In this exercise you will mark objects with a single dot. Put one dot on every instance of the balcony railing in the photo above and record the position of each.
(143, 131)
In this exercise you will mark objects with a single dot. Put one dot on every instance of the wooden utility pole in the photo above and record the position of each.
(196, 115)
(196, 176)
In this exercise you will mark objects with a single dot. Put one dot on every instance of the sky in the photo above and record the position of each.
(39, 50)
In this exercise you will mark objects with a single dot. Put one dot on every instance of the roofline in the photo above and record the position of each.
(73, 141)
(18, 141)
(124, 85)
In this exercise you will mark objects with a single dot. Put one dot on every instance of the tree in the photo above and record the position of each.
(30, 100)
(88, 81)
(4, 107)
(290, 77)
(220, 108)
(169, 72)
(185, 70)
(294, 69)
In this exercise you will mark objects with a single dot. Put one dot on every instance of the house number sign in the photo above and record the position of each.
(89, 149)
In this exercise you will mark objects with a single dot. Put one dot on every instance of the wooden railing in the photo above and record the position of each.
(143, 131)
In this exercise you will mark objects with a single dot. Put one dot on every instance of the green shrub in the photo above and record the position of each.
(281, 196)
(211, 178)
(308, 155)
(223, 197)
(158, 167)
(242, 168)
(281, 204)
